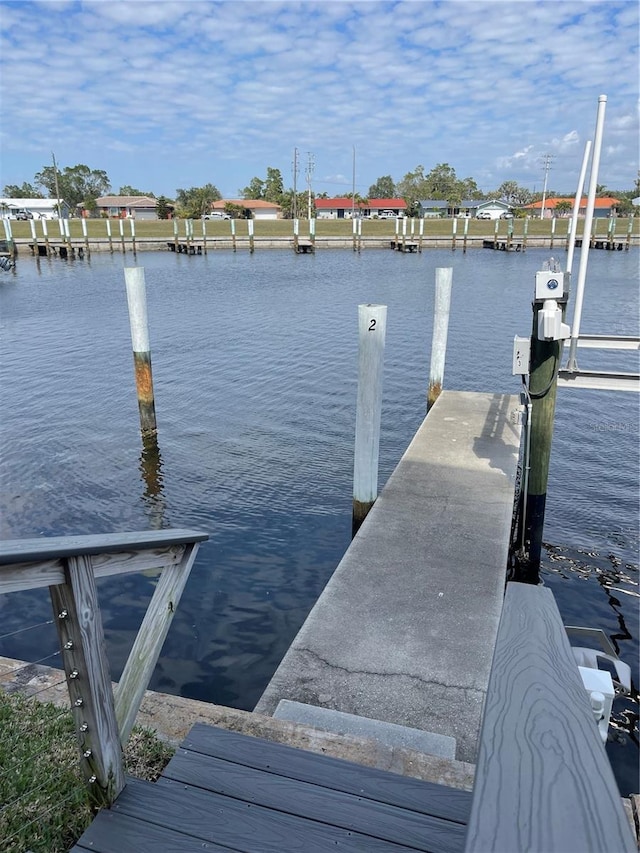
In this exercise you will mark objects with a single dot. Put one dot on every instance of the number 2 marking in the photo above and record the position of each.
(372, 325)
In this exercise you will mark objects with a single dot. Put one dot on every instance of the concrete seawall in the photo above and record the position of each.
(405, 630)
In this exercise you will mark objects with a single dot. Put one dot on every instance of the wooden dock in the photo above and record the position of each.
(406, 246)
(59, 250)
(304, 247)
(184, 248)
(504, 245)
(611, 244)
(226, 791)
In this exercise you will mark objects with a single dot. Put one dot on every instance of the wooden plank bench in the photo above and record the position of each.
(543, 780)
(228, 791)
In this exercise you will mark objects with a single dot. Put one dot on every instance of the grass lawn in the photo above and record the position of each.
(44, 803)
(163, 230)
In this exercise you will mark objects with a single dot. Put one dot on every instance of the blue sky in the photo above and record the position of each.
(164, 94)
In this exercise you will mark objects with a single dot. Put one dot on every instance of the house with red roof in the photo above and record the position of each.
(344, 208)
(603, 207)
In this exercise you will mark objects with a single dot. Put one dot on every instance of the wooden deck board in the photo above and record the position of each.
(111, 831)
(426, 797)
(315, 802)
(226, 791)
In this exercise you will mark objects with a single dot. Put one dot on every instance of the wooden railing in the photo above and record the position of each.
(543, 780)
(69, 566)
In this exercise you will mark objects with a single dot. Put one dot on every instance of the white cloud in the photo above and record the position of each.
(219, 90)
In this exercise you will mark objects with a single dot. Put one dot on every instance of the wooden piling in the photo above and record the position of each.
(444, 279)
(109, 235)
(85, 234)
(8, 235)
(312, 233)
(464, 237)
(509, 234)
(45, 235)
(495, 234)
(354, 231)
(372, 322)
(553, 231)
(296, 227)
(421, 234)
(121, 225)
(133, 235)
(233, 233)
(175, 235)
(454, 229)
(525, 230)
(629, 230)
(251, 241)
(67, 236)
(204, 235)
(544, 364)
(34, 237)
(137, 302)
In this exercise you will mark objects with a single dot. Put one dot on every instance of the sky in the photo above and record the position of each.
(164, 95)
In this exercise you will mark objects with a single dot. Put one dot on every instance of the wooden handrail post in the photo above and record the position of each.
(79, 625)
(149, 640)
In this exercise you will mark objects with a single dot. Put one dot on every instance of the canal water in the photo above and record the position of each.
(254, 360)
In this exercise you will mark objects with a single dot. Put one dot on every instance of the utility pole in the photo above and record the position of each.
(55, 177)
(294, 210)
(353, 191)
(546, 165)
(309, 172)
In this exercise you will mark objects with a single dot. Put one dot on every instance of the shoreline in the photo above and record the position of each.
(24, 246)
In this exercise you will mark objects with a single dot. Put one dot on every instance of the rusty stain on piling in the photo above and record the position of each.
(144, 380)
(435, 389)
(144, 388)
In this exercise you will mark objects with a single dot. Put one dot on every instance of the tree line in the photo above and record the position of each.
(80, 186)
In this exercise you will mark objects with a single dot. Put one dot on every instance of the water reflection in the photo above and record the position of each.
(150, 466)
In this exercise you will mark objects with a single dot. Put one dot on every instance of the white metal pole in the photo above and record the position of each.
(584, 254)
(576, 206)
(444, 279)
(372, 322)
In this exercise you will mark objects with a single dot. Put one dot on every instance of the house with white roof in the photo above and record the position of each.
(39, 208)
(258, 208)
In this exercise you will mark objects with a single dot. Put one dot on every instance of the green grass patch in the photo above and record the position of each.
(44, 802)
(163, 229)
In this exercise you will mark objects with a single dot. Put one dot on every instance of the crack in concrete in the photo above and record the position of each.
(405, 675)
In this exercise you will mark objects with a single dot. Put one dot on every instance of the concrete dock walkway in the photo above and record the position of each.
(404, 631)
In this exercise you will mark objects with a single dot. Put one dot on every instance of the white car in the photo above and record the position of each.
(484, 214)
(216, 214)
